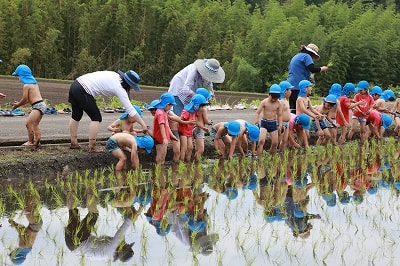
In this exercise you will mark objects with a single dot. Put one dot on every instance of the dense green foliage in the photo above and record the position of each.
(253, 40)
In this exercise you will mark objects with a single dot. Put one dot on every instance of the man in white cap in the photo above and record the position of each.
(200, 74)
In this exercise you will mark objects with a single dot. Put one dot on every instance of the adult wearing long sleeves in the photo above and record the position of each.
(300, 68)
(105, 83)
(200, 74)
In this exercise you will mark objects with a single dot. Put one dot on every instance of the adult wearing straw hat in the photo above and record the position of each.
(300, 68)
(202, 73)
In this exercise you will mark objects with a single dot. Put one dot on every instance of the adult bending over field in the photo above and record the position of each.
(106, 83)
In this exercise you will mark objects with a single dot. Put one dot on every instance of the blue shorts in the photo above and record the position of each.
(269, 125)
(285, 124)
(321, 124)
(112, 144)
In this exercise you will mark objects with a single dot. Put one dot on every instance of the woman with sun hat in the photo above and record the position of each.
(202, 73)
(300, 68)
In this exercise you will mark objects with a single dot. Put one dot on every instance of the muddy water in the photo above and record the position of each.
(327, 206)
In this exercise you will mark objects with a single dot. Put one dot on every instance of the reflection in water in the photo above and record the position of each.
(335, 205)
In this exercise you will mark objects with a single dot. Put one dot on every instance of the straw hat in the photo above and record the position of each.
(313, 49)
(210, 70)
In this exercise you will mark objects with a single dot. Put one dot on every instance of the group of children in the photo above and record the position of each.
(344, 107)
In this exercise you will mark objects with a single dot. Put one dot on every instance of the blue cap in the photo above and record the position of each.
(372, 190)
(138, 110)
(19, 255)
(348, 88)
(195, 102)
(386, 120)
(376, 90)
(389, 94)
(160, 230)
(253, 131)
(344, 197)
(336, 89)
(362, 85)
(331, 98)
(145, 142)
(304, 120)
(298, 212)
(233, 128)
(144, 197)
(203, 91)
(274, 89)
(252, 184)
(330, 199)
(285, 85)
(358, 199)
(197, 226)
(231, 193)
(25, 74)
(397, 185)
(165, 99)
(153, 104)
(131, 77)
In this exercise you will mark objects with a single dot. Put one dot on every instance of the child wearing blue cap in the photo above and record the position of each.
(125, 141)
(377, 123)
(286, 91)
(320, 125)
(200, 128)
(271, 120)
(30, 94)
(361, 111)
(162, 133)
(224, 135)
(186, 131)
(396, 113)
(125, 123)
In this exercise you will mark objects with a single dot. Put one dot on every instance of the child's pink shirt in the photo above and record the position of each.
(367, 102)
(186, 129)
(160, 117)
(344, 103)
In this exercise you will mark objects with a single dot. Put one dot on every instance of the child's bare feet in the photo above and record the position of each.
(28, 143)
(75, 146)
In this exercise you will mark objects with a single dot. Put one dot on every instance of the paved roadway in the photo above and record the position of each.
(55, 127)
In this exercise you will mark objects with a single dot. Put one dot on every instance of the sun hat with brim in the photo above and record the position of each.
(138, 110)
(210, 70)
(195, 102)
(19, 255)
(165, 99)
(313, 49)
(331, 98)
(303, 120)
(233, 128)
(386, 121)
(25, 74)
(203, 91)
(145, 142)
(131, 77)
(205, 244)
(253, 132)
(362, 85)
(231, 193)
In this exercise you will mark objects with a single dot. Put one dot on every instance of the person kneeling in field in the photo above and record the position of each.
(126, 141)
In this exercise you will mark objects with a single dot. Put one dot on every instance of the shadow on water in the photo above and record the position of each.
(335, 205)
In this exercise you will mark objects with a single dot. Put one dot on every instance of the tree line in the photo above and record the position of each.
(253, 40)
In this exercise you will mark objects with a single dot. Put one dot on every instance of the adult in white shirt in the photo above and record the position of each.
(106, 83)
(200, 74)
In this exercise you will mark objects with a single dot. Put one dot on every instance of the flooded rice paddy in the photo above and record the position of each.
(329, 205)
